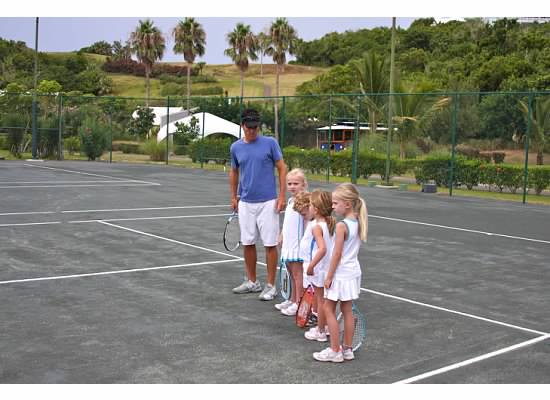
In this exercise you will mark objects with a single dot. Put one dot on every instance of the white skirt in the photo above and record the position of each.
(344, 289)
(290, 254)
(317, 279)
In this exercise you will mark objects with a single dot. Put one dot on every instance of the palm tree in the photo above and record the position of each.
(412, 110)
(263, 44)
(372, 74)
(283, 39)
(244, 46)
(148, 44)
(540, 125)
(190, 41)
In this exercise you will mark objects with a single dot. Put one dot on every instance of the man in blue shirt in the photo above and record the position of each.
(253, 162)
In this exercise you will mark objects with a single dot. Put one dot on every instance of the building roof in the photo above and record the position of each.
(212, 124)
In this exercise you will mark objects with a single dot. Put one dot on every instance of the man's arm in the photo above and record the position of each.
(233, 184)
(282, 170)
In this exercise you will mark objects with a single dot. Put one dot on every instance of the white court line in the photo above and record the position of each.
(148, 218)
(30, 223)
(455, 312)
(102, 185)
(167, 239)
(473, 360)
(40, 182)
(460, 229)
(88, 173)
(112, 210)
(144, 208)
(123, 271)
(29, 213)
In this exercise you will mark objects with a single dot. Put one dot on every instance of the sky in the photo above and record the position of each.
(67, 25)
(69, 33)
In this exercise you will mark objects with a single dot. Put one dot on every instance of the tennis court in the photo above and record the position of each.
(116, 273)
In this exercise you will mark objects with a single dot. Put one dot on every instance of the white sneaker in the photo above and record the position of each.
(348, 354)
(315, 334)
(268, 293)
(290, 310)
(329, 355)
(283, 305)
(248, 287)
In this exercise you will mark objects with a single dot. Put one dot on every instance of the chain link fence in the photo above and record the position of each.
(467, 141)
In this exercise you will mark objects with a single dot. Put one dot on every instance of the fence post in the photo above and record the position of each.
(202, 140)
(526, 168)
(167, 125)
(111, 107)
(60, 126)
(329, 136)
(453, 143)
(282, 136)
(355, 143)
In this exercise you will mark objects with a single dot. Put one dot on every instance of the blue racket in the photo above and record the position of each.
(360, 329)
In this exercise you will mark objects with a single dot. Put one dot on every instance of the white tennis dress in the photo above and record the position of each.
(346, 284)
(293, 231)
(308, 250)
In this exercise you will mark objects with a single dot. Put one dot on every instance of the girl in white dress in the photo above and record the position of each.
(291, 234)
(343, 278)
(316, 251)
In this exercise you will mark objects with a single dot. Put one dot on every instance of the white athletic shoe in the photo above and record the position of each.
(290, 310)
(329, 355)
(283, 305)
(315, 334)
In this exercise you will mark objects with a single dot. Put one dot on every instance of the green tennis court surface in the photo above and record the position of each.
(114, 273)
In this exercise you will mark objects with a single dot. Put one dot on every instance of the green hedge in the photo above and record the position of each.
(316, 161)
(471, 173)
(216, 150)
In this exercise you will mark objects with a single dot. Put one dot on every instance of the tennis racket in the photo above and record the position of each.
(284, 281)
(232, 233)
(360, 329)
(305, 307)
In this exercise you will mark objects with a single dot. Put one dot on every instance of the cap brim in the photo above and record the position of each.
(251, 124)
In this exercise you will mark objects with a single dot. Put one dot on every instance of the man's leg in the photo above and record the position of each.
(250, 258)
(271, 257)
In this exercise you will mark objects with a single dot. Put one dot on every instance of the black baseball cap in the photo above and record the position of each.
(251, 118)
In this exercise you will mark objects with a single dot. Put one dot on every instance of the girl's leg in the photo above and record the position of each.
(296, 271)
(349, 322)
(319, 296)
(330, 316)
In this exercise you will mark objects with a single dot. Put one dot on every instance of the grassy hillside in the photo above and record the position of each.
(228, 77)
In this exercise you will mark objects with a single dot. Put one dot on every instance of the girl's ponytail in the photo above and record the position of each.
(362, 218)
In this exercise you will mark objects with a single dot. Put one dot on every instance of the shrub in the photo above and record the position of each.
(172, 89)
(92, 137)
(467, 151)
(210, 90)
(131, 148)
(210, 149)
(498, 157)
(156, 151)
(72, 144)
(539, 178)
(485, 156)
(15, 126)
(468, 173)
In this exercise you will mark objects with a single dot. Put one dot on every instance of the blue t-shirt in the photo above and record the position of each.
(256, 164)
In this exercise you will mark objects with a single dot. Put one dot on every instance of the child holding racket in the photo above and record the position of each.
(343, 279)
(317, 248)
(292, 232)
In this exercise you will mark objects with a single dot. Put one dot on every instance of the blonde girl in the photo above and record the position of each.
(319, 247)
(343, 279)
(292, 232)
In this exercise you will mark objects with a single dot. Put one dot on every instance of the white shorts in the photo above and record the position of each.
(259, 219)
